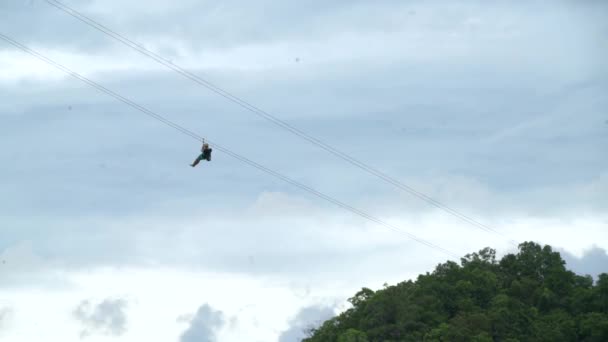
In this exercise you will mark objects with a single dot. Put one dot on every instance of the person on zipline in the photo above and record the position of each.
(206, 155)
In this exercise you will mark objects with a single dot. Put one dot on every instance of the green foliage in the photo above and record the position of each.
(528, 296)
(353, 335)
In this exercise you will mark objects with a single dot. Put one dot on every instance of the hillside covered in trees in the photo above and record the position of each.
(528, 296)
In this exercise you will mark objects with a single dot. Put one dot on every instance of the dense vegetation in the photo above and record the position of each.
(528, 296)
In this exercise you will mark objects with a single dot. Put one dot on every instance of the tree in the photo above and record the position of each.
(527, 296)
(353, 335)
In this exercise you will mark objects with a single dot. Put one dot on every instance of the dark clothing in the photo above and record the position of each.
(206, 155)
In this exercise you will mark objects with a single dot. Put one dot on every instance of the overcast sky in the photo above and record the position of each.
(106, 234)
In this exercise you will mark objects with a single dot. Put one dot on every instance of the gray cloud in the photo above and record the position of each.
(106, 318)
(494, 110)
(176, 29)
(26, 20)
(204, 325)
(311, 316)
(593, 262)
(456, 100)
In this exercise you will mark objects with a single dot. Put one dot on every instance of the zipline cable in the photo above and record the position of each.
(221, 148)
(197, 79)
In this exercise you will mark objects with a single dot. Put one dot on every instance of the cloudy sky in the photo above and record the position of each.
(106, 234)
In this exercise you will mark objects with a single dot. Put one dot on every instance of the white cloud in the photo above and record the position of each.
(281, 234)
(156, 296)
(22, 267)
(6, 315)
(22, 66)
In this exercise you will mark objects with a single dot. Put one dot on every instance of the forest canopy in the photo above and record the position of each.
(527, 296)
